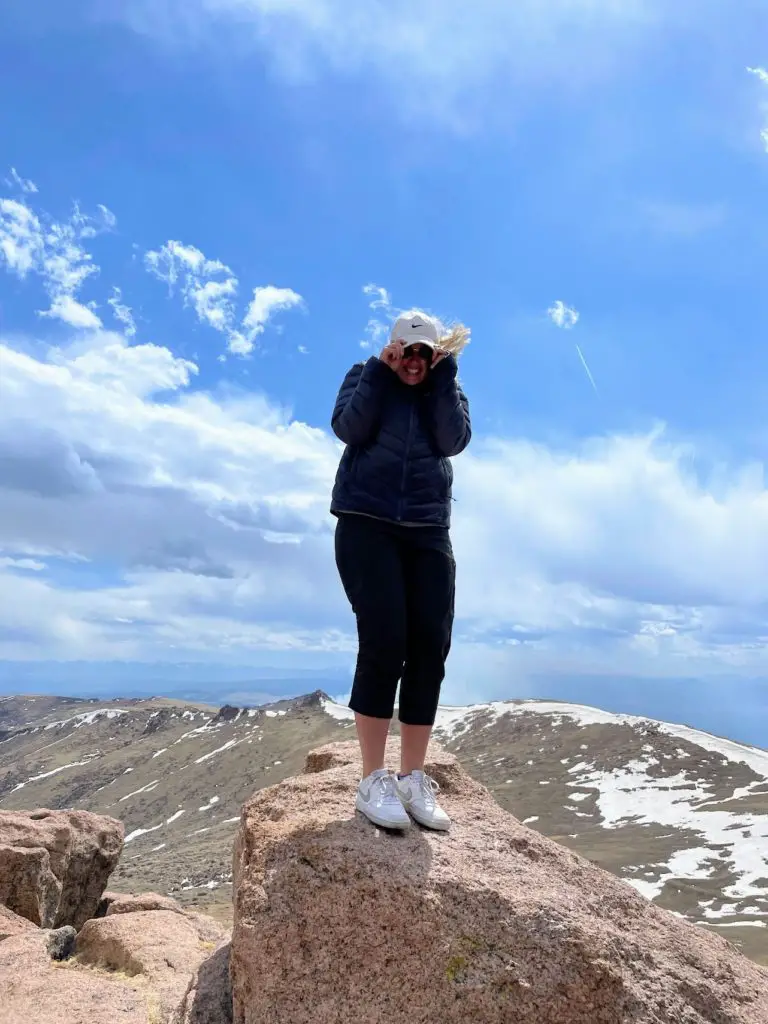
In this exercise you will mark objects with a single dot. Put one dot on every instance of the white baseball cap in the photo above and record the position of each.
(414, 329)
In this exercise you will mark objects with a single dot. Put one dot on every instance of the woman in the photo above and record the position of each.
(402, 415)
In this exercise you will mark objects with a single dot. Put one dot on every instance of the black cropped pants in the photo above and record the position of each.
(400, 581)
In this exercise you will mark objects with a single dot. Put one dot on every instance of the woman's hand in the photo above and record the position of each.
(392, 355)
(440, 354)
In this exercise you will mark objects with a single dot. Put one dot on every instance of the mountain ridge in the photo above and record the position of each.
(680, 814)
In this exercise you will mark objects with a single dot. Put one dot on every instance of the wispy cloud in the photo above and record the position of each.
(266, 302)
(762, 74)
(377, 329)
(210, 288)
(26, 564)
(380, 297)
(21, 237)
(562, 315)
(72, 312)
(122, 312)
(23, 184)
(452, 50)
(53, 251)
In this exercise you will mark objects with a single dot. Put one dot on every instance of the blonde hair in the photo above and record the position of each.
(453, 337)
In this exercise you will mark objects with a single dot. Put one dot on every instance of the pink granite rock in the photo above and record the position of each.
(337, 921)
(125, 904)
(149, 967)
(164, 947)
(35, 990)
(13, 924)
(208, 1000)
(54, 865)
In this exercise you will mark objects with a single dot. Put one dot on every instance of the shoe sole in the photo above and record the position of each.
(380, 822)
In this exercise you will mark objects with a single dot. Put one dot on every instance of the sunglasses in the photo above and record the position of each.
(422, 351)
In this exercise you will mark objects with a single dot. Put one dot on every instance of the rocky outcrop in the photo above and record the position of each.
(336, 921)
(208, 1000)
(138, 959)
(161, 967)
(54, 865)
(226, 713)
(28, 886)
(35, 990)
(106, 901)
(61, 942)
(12, 924)
(163, 947)
(123, 904)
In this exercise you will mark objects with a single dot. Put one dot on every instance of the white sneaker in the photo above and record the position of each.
(377, 799)
(417, 792)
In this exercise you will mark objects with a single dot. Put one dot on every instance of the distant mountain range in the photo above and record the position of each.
(680, 814)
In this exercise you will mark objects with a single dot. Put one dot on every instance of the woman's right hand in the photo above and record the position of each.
(392, 355)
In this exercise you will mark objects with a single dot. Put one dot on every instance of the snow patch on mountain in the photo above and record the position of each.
(227, 746)
(144, 789)
(726, 839)
(54, 771)
(452, 721)
(141, 832)
(88, 718)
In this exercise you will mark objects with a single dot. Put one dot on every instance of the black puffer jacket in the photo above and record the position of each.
(399, 438)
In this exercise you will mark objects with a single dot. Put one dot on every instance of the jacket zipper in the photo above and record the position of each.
(405, 463)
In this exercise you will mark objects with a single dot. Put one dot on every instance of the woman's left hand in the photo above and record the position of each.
(440, 354)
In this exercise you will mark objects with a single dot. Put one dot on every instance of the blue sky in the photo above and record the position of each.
(211, 209)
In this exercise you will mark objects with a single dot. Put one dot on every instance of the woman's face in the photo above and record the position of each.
(414, 366)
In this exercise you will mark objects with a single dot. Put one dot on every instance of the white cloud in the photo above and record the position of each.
(380, 297)
(24, 184)
(762, 74)
(266, 302)
(377, 329)
(200, 522)
(114, 366)
(53, 251)
(27, 564)
(122, 312)
(566, 317)
(210, 288)
(562, 315)
(450, 49)
(613, 555)
(108, 220)
(72, 312)
(183, 489)
(21, 238)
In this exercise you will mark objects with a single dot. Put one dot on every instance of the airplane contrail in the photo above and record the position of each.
(588, 372)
